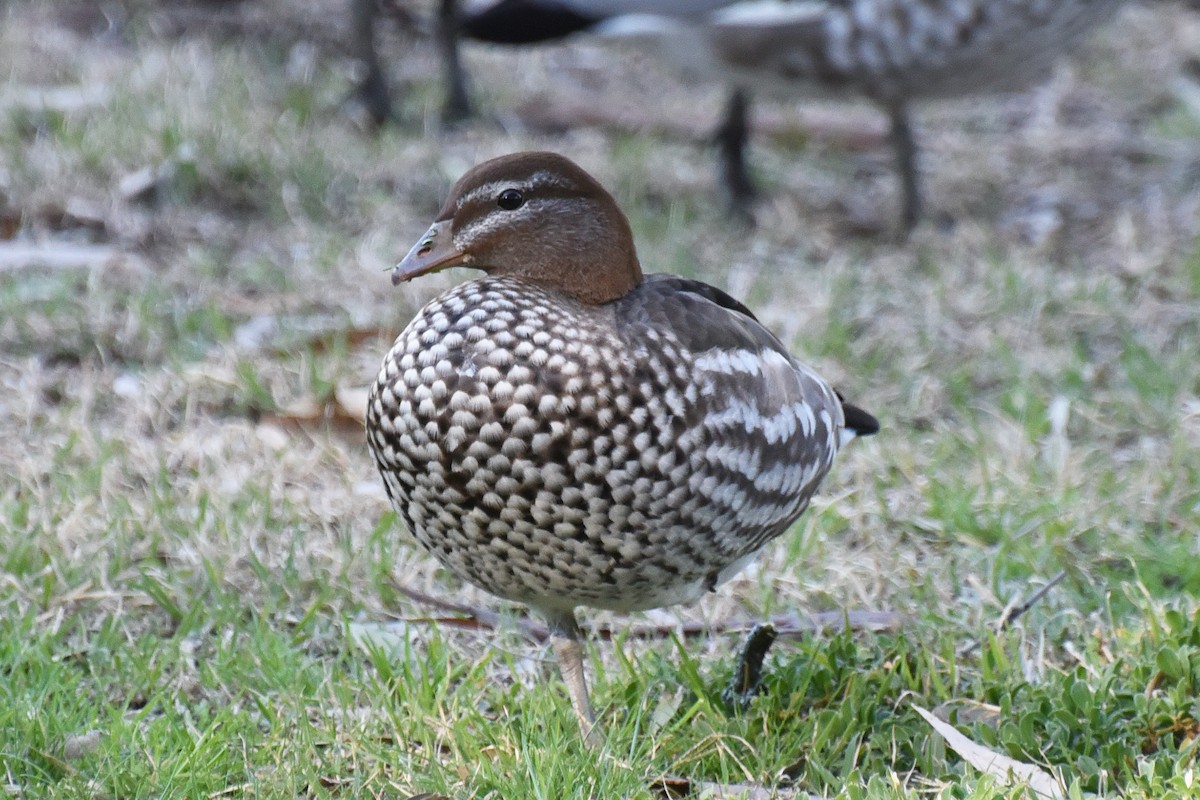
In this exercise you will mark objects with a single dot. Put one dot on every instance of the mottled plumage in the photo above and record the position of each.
(898, 50)
(567, 432)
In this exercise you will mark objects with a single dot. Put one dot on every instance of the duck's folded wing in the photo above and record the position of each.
(764, 421)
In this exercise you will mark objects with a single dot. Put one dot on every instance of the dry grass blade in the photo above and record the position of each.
(1012, 612)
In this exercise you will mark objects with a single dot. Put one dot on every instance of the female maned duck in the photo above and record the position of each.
(566, 431)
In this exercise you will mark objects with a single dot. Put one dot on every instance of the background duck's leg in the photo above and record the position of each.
(732, 136)
(564, 638)
(373, 90)
(458, 103)
(905, 146)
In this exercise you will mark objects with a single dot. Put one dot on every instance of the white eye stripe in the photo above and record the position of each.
(490, 191)
(486, 193)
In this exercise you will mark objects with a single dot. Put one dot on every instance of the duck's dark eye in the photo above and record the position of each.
(510, 200)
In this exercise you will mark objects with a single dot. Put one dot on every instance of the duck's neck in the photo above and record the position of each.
(604, 270)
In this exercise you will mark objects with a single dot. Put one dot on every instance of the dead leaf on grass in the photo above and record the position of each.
(971, 712)
(1004, 769)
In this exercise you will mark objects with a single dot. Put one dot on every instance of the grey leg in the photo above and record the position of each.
(373, 91)
(564, 638)
(458, 104)
(731, 138)
(906, 164)
(747, 674)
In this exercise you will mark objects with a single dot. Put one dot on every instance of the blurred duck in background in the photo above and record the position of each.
(505, 22)
(893, 52)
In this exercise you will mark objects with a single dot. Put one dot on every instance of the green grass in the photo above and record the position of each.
(188, 564)
(229, 697)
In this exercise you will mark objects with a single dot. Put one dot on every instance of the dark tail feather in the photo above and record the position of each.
(858, 422)
(524, 22)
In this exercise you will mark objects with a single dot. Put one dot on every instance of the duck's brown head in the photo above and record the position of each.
(535, 216)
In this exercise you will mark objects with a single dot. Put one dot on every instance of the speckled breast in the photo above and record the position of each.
(560, 454)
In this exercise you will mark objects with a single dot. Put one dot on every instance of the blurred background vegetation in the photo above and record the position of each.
(202, 589)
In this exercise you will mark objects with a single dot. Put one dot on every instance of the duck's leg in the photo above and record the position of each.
(731, 137)
(458, 104)
(905, 145)
(564, 638)
(747, 673)
(373, 91)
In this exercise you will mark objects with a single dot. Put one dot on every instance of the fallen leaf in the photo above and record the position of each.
(971, 712)
(1004, 769)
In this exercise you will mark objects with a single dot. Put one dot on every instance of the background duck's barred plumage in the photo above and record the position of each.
(623, 456)
(897, 50)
